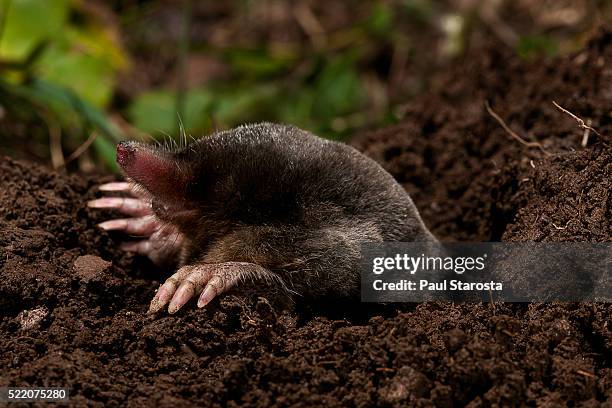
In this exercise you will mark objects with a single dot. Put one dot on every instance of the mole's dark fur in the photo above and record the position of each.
(280, 197)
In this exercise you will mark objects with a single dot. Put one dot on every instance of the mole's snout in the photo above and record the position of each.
(154, 169)
(125, 153)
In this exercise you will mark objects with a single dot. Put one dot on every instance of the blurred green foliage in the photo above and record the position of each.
(65, 68)
(262, 85)
(334, 90)
(61, 60)
(82, 57)
(27, 23)
(155, 111)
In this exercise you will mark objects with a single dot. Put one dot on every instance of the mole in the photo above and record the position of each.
(260, 204)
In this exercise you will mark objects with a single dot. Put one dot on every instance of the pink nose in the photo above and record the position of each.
(125, 152)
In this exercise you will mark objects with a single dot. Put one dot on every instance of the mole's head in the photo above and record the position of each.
(168, 176)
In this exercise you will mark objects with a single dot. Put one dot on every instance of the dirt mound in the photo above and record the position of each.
(472, 181)
(72, 307)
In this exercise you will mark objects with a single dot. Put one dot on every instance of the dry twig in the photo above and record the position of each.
(512, 133)
(311, 25)
(80, 150)
(586, 134)
(586, 374)
(55, 145)
(579, 120)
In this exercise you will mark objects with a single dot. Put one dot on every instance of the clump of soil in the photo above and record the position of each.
(72, 307)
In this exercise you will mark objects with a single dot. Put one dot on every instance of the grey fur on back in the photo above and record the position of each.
(294, 203)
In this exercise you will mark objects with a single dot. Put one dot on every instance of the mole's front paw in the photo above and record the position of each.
(207, 281)
(161, 242)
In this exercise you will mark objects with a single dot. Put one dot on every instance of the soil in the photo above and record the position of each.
(72, 307)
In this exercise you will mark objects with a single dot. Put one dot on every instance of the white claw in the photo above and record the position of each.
(116, 186)
(142, 247)
(161, 242)
(143, 226)
(129, 206)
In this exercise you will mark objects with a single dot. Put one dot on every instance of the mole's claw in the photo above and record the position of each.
(143, 226)
(163, 296)
(113, 225)
(155, 306)
(116, 186)
(142, 247)
(207, 295)
(182, 296)
(216, 279)
(168, 290)
(129, 206)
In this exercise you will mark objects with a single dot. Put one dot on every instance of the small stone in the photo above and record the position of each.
(91, 267)
(29, 319)
(407, 382)
(454, 339)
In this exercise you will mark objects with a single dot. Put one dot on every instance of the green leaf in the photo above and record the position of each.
(244, 104)
(29, 22)
(106, 151)
(71, 110)
(155, 111)
(98, 42)
(197, 116)
(257, 62)
(91, 78)
(338, 89)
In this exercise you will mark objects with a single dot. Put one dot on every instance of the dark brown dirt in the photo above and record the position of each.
(472, 181)
(68, 318)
